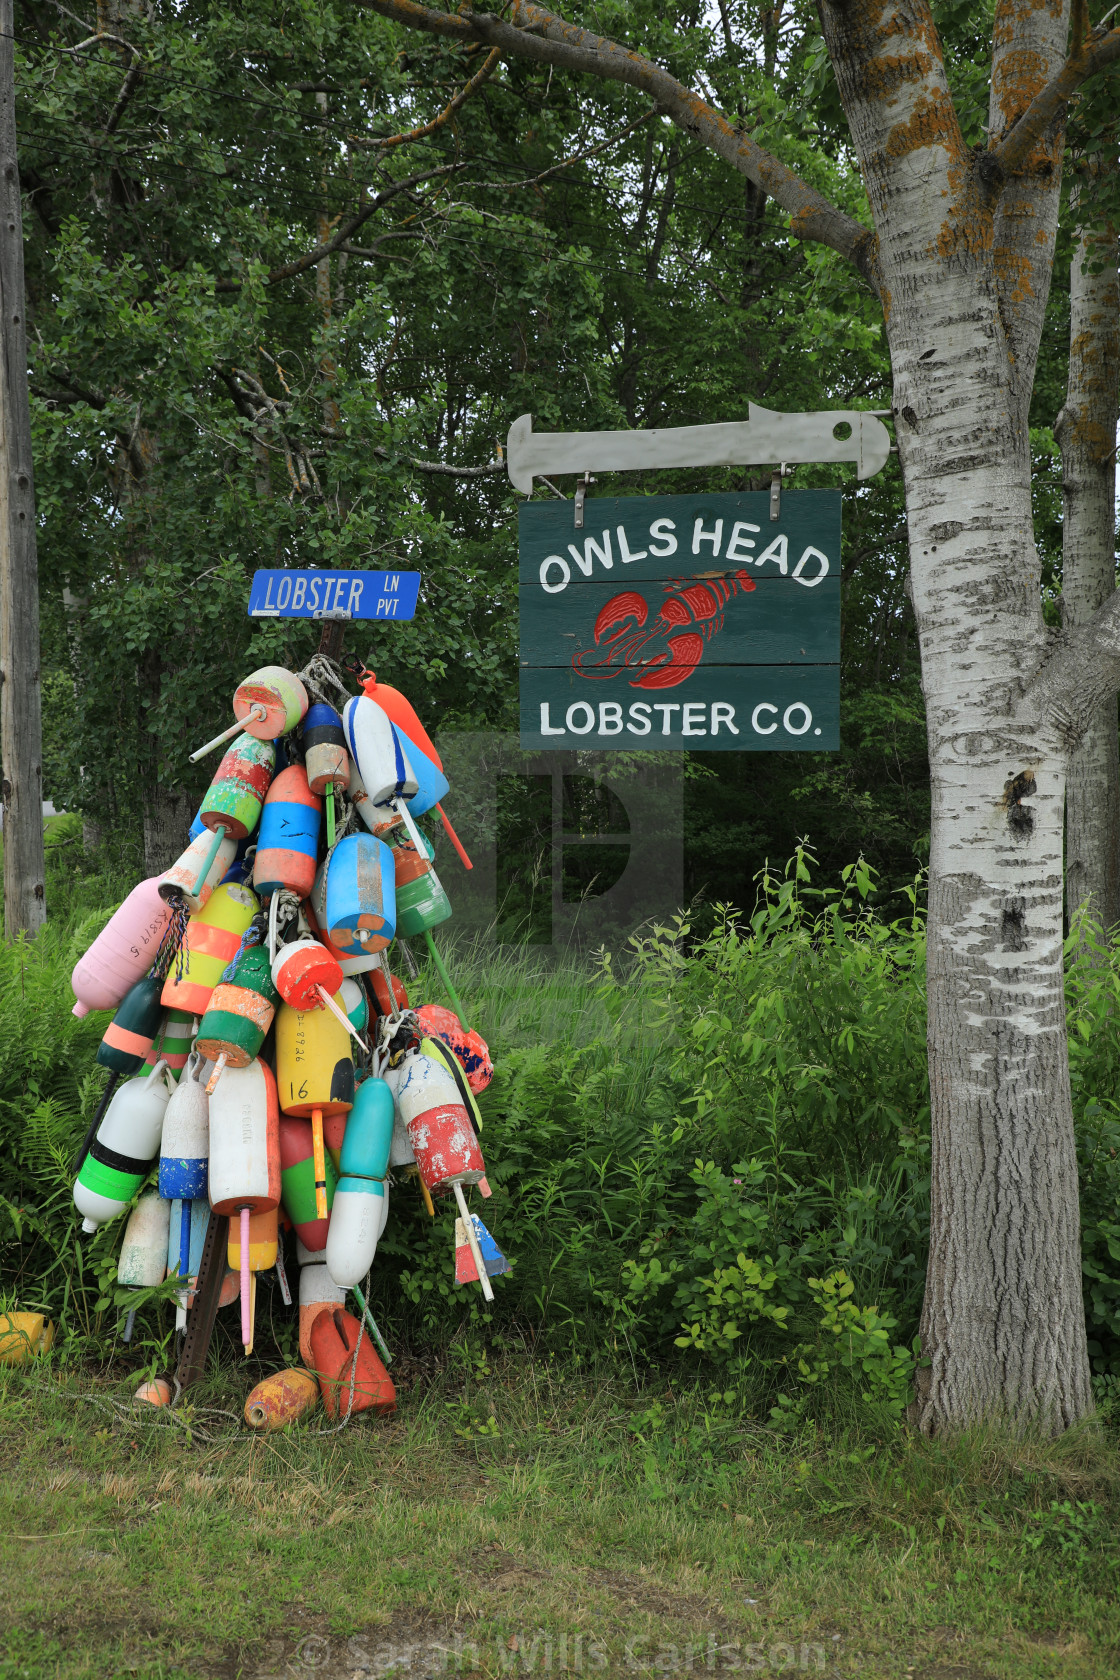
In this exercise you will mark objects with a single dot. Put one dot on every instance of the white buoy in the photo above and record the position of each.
(124, 1150)
(143, 1258)
(383, 763)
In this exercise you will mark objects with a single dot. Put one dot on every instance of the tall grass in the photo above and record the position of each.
(711, 1152)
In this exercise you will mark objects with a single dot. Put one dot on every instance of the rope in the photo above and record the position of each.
(177, 932)
(284, 902)
(172, 938)
(252, 936)
(153, 1417)
(320, 672)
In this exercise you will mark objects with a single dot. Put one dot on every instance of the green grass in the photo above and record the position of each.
(537, 1510)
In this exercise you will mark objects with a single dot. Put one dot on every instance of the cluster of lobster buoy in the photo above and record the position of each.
(280, 1075)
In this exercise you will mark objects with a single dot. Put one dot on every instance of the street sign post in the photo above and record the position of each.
(696, 622)
(329, 594)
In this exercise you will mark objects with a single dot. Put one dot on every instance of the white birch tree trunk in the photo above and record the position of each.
(1002, 1326)
(1086, 433)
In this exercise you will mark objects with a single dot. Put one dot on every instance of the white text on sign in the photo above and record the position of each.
(698, 718)
(707, 543)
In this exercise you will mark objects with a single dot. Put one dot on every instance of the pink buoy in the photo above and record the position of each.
(123, 951)
(278, 693)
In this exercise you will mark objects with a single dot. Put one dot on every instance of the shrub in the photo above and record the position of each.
(710, 1153)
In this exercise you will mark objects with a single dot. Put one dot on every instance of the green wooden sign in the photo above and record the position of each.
(681, 622)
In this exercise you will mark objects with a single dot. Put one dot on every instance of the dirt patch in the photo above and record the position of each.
(631, 1592)
(950, 1671)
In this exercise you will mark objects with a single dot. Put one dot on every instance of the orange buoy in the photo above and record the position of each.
(155, 1393)
(336, 1343)
(318, 1293)
(281, 1399)
(399, 711)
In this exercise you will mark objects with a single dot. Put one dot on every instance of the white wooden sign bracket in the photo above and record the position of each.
(765, 438)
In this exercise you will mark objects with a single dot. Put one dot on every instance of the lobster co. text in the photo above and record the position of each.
(707, 544)
(698, 717)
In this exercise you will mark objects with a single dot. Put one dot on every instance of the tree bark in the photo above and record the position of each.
(21, 722)
(167, 816)
(1086, 433)
(1002, 1324)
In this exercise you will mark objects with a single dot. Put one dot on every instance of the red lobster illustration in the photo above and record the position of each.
(621, 633)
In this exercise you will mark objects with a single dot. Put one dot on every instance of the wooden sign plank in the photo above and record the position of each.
(681, 622)
(599, 621)
(719, 708)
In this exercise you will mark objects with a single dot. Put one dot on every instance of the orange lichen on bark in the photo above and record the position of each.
(1016, 80)
(1094, 350)
(933, 122)
(917, 25)
(1091, 436)
(968, 229)
(884, 75)
(1013, 272)
(1011, 13)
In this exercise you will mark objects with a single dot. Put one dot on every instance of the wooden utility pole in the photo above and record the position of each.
(21, 718)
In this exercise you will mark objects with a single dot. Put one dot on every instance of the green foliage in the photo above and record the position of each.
(711, 1154)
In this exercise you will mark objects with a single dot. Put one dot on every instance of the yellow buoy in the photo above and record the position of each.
(211, 942)
(315, 1079)
(24, 1336)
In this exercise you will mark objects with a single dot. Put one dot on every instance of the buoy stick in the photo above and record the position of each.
(219, 1069)
(185, 1242)
(219, 836)
(400, 806)
(128, 1323)
(246, 1305)
(252, 1312)
(256, 714)
(428, 1203)
(330, 816)
(94, 1123)
(373, 1330)
(320, 1163)
(472, 1238)
(438, 960)
(454, 839)
(341, 1017)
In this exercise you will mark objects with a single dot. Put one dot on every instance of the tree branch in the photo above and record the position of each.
(1080, 670)
(577, 157)
(543, 37)
(1097, 52)
(439, 468)
(342, 236)
(128, 88)
(476, 81)
(374, 250)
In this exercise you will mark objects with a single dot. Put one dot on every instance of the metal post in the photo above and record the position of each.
(21, 724)
(200, 1322)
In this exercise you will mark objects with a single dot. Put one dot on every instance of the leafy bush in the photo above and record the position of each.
(708, 1152)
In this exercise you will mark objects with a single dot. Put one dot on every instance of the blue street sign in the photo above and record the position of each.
(319, 594)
